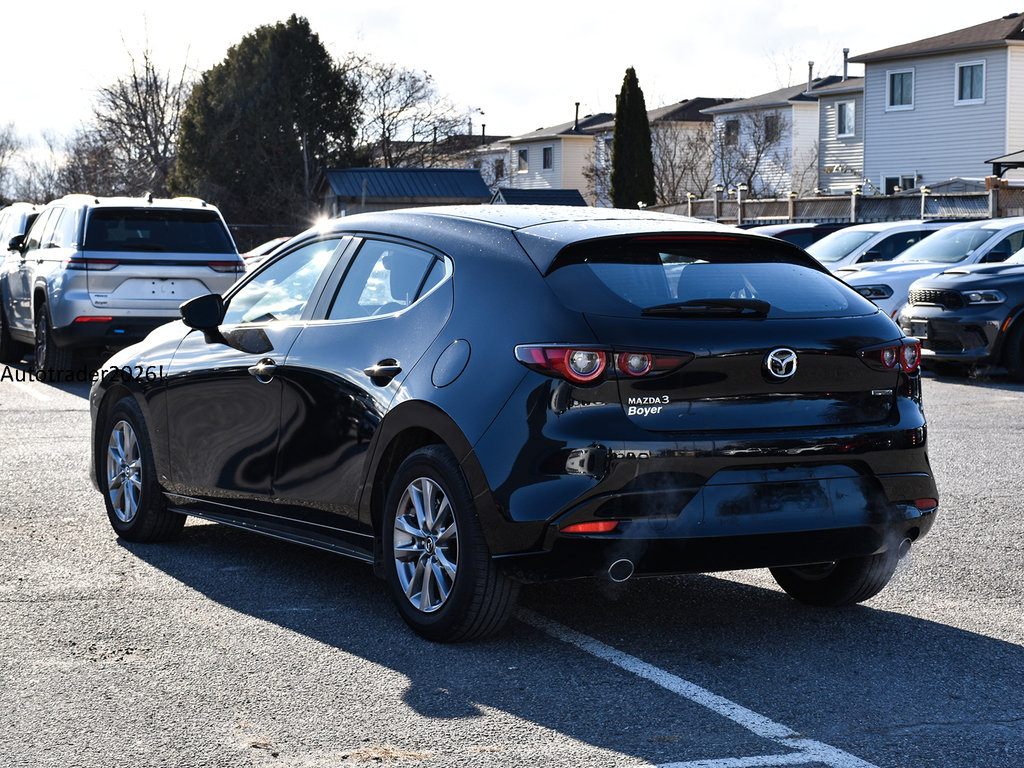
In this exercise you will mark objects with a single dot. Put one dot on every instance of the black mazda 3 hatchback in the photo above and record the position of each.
(473, 397)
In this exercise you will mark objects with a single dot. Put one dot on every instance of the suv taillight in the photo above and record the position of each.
(225, 266)
(590, 365)
(80, 262)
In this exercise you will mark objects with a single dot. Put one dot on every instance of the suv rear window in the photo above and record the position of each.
(699, 277)
(157, 230)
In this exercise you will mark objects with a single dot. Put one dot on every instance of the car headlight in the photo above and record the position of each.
(984, 297)
(880, 291)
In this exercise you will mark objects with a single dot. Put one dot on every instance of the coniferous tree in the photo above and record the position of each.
(259, 125)
(632, 164)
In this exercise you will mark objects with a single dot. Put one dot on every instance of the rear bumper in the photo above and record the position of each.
(578, 556)
(117, 333)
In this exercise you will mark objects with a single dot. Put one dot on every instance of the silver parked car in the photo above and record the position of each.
(97, 274)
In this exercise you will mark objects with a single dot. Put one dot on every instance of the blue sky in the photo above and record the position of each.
(523, 64)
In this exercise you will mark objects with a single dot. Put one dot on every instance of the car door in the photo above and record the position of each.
(344, 371)
(222, 392)
(21, 274)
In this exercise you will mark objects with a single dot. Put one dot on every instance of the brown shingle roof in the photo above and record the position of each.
(991, 33)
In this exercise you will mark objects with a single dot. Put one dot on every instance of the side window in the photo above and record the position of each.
(65, 232)
(1005, 247)
(384, 277)
(46, 239)
(894, 245)
(282, 290)
(35, 235)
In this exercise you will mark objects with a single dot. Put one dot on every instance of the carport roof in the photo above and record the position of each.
(462, 184)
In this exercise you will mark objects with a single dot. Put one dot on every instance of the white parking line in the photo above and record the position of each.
(806, 750)
(30, 390)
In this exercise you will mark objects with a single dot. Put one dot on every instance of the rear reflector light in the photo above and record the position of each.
(600, 526)
(79, 262)
(93, 319)
(225, 266)
(925, 504)
(589, 365)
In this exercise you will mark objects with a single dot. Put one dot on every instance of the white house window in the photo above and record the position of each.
(732, 133)
(846, 124)
(523, 161)
(499, 168)
(900, 89)
(771, 128)
(546, 159)
(970, 83)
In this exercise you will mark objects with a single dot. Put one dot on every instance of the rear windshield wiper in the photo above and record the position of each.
(728, 307)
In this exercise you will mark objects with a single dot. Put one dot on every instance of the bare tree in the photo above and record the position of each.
(683, 160)
(11, 144)
(750, 149)
(39, 177)
(137, 119)
(597, 171)
(406, 120)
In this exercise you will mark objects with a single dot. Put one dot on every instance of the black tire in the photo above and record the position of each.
(127, 477)
(1013, 351)
(51, 360)
(10, 350)
(844, 582)
(444, 582)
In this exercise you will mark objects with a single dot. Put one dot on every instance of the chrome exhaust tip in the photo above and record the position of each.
(904, 549)
(620, 570)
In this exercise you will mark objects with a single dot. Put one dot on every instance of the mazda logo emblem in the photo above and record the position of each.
(781, 363)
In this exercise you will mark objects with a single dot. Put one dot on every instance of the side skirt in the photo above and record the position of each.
(296, 534)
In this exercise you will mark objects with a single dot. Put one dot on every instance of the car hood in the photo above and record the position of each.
(974, 277)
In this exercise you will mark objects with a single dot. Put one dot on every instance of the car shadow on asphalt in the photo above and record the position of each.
(857, 677)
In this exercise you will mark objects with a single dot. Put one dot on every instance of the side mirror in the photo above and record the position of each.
(204, 313)
(873, 256)
(16, 243)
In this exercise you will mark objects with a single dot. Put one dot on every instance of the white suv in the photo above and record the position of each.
(97, 274)
(868, 243)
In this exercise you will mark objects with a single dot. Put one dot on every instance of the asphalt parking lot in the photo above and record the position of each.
(227, 649)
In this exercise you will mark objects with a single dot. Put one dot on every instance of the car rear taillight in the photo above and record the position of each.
(80, 262)
(92, 319)
(225, 266)
(590, 365)
(905, 356)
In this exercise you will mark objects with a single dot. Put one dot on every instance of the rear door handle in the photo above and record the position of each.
(264, 370)
(383, 372)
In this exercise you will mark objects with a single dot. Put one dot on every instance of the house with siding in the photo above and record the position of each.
(941, 107)
(770, 142)
(554, 157)
(841, 136)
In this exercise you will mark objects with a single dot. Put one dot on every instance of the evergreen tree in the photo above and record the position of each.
(258, 126)
(632, 164)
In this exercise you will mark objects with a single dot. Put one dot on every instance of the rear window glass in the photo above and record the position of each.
(157, 230)
(728, 277)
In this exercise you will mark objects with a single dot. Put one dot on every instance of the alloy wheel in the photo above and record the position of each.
(124, 471)
(426, 544)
